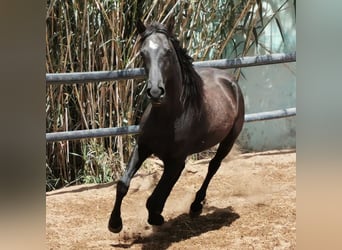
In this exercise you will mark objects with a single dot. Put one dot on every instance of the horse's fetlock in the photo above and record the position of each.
(155, 219)
(200, 196)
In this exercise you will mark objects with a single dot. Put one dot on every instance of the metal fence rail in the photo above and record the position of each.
(103, 132)
(269, 115)
(139, 73)
(85, 77)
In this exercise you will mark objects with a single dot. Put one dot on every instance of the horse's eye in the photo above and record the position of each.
(167, 52)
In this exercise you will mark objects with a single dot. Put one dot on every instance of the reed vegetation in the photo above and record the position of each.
(96, 35)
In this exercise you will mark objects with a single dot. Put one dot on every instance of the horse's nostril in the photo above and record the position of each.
(149, 93)
(162, 90)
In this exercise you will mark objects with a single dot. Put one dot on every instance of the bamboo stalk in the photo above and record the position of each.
(243, 13)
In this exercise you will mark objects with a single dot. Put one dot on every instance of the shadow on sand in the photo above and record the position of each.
(184, 227)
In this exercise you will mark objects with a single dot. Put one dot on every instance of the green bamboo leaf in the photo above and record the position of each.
(255, 33)
(295, 8)
(259, 3)
(280, 29)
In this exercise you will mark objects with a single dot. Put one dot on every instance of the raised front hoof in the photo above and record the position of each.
(155, 219)
(115, 225)
(195, 210)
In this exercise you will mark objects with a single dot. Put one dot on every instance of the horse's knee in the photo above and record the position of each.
(121, 189)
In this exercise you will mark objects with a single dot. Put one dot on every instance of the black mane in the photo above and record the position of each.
(192, 83)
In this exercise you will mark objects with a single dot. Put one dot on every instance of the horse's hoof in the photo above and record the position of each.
(155, 219)
(195, 210)
(115, 226)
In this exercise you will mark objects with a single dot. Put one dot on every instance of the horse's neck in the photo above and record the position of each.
(173, 106)
(174, 112)
(168, 111)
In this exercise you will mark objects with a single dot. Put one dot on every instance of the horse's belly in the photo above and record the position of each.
(209, 140)
(170, 151)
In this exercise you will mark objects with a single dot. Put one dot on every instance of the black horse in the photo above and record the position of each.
(190, 110)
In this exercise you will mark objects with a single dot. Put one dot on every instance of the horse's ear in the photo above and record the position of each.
(140, 26)
(170, 25)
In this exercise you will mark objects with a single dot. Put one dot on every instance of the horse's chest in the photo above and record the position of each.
(167, 142)
(166, 149)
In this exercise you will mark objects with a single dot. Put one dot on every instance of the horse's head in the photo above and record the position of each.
(160, 60)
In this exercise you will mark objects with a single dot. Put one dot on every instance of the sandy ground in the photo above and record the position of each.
(251, 204)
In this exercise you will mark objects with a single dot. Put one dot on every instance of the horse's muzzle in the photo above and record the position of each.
(156, 94)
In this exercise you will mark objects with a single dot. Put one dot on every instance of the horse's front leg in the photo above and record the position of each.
(155, 203)
(137, 158)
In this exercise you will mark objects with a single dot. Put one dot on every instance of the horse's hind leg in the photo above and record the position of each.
(137, 158)
(156, 202)
(222, 151)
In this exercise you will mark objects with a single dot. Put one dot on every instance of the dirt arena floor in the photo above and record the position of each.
(251, 204)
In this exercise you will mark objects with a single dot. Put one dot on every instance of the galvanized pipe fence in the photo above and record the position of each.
(139, 73)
